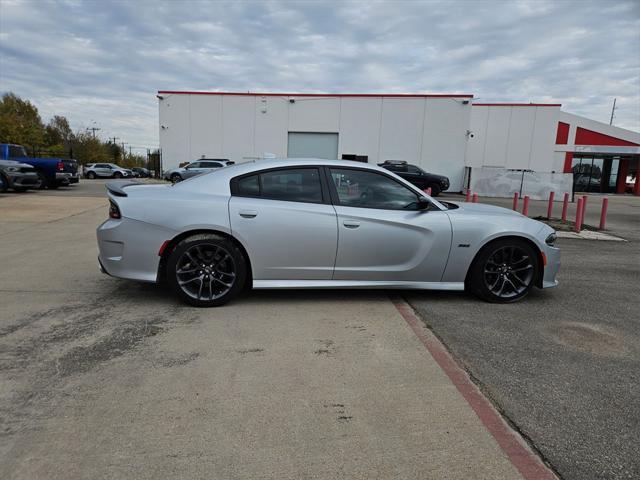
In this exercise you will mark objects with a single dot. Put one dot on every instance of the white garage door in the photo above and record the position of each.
(312, 145)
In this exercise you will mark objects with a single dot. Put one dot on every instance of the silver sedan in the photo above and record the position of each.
(318, 224)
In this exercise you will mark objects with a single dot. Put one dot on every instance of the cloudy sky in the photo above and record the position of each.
(101, 62)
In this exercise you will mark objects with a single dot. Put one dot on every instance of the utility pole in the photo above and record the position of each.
(93, 130)
(114, 139)
(124, 152)
(613, 109)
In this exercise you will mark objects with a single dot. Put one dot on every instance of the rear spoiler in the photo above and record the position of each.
(117, 188)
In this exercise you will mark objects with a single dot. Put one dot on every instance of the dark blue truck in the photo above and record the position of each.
(53, 172)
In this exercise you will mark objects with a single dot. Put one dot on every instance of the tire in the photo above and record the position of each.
(43, 181)
(204, 258)
(91, 175)
(176, 177)
(504, 271)
(4, 184)
(20, 189)
(117, 175)
(435, 189)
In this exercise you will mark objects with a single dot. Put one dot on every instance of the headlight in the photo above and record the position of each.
(551, 239)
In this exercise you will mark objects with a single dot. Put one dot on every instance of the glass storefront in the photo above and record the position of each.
(599, 173)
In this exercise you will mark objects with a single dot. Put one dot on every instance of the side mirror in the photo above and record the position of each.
(423, 204)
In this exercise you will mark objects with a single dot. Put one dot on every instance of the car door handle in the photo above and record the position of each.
(248, 213)
(351, 224)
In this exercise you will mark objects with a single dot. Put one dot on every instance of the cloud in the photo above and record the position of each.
(103, 61)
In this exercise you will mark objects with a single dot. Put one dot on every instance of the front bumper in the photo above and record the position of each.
(552, 266)
(23, 180)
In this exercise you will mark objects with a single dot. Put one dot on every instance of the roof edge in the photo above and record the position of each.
(285, 94)
(517, 104)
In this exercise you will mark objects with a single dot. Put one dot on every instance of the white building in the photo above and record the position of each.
(440, 133)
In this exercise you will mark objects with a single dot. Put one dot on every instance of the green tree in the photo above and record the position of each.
(58, 132)
(20, 122)
(87, 149)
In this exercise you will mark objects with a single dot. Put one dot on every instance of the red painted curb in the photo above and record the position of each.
(527, 462)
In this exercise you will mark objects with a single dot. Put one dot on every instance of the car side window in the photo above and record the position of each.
(295, 185)
(194, 165)
(249, 186)
(364, 189)
(414, 170)
(211, 165)
(291, 185)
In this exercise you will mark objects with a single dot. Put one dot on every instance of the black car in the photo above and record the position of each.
(417, 176)
(141, 172)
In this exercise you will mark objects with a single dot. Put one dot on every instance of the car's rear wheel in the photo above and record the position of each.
(175, 178)
(504, 271)
(435, 189)
(91, 175)
(206, 270)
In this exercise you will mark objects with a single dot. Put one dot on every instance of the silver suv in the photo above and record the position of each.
(204, 165)
(106, 170)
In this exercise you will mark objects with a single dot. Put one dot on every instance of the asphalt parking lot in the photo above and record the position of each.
(104, 378)
(563, 365)
(101, 377)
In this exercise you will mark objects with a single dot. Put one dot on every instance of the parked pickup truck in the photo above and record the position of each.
(53, 172)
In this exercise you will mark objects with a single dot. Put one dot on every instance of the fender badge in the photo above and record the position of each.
(464, 245)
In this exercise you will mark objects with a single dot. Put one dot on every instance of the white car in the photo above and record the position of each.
(106, 170)
(309, 223)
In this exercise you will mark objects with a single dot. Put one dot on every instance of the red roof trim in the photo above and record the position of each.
(259, 94)
(517, 104)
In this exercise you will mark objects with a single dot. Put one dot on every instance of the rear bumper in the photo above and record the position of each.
(552, 267)
(129, 248)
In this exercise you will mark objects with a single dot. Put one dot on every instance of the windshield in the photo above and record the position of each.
(17, 151)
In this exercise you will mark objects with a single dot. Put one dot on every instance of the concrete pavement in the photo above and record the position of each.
(104, 378)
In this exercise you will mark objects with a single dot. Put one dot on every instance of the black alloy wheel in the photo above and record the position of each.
(504, 271)
(206, 270)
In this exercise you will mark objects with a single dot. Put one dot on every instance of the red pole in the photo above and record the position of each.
(565, 207)
(515, 201)
(525, 206)
(603, 213)
(550, 207)
(584, 208)
(475, 198)
(578, 225)
(468, 199)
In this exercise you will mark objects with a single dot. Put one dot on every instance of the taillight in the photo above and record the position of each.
(60, 166)
(114, 211)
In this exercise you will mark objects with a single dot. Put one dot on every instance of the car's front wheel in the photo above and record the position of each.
(504, 271)
(175, 178)
(4, 184)
(435, 189)
(91, 175)
(206, 270)
(117, 175)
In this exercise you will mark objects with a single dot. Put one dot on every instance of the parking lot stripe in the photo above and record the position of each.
(530, 466)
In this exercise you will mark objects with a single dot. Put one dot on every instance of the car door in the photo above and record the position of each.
(416, 177)
(285, 220)
(381, 234)
(103, 170)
